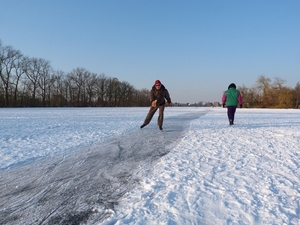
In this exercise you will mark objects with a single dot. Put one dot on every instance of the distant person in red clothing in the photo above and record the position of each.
(158, 96)
(231, 98)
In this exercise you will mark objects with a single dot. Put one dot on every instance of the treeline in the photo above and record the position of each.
(32, 82)
(271, 94)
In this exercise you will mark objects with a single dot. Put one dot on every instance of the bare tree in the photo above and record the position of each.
(101, 90)
(126, 95)
(77, 80)
(278, 92)
(33, 72)
(263, 86)
(8, 58)
(19, 70)
(45, 80)
(2, 96)
(285, 98)
(142, 97)
(59, 90)
(91, 88)
(113, 91)
(296, 96)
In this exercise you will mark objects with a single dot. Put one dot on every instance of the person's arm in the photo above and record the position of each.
(167, 96)
(152, 96)
(240, 99)
(223, 100)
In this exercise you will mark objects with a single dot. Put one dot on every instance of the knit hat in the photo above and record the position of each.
(232, 85)
(157, 82)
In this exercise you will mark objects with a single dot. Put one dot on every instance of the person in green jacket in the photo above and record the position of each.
(231, 98)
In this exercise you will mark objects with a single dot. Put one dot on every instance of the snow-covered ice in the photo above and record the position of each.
(95, 166)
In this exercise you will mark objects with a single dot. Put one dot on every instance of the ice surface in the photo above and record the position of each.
(95, 166)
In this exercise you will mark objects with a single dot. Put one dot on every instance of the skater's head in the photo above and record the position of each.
(157, 84)
(232, 85)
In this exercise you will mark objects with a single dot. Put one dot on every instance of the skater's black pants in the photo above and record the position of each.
(230, 112)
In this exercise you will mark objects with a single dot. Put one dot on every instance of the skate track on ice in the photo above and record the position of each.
(84, 185)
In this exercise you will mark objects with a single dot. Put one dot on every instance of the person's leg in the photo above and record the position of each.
(233, 113)
(230, 113)
(160, 119)
(149, 116)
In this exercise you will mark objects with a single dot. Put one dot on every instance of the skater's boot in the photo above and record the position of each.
(230, 122)
(143, 125)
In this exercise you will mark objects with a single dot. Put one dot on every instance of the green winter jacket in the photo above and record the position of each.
(232, 97)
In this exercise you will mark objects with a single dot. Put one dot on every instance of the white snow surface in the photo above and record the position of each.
(96, 166)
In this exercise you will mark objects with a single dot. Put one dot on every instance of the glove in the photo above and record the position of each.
(223, 105)
(153, 103)
(169, 103)
(241, 105)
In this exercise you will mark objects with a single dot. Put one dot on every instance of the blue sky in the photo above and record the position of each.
(196, 48)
